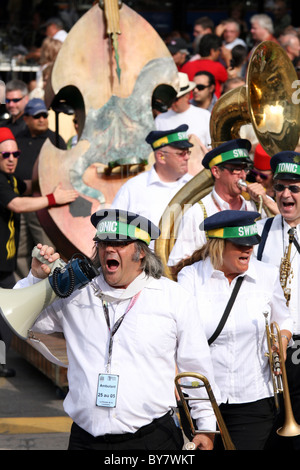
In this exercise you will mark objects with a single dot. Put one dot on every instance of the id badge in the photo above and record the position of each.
(107, 390)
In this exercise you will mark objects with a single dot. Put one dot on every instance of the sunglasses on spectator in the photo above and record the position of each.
(293, 188)
(201, 87)
(40, 115)
(261, 175)
(16, 154)
(14, 100)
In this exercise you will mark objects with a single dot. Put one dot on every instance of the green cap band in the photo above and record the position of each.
(168, 139)
(286, 167)
(233, 232)
(230, 155)
(119, 228)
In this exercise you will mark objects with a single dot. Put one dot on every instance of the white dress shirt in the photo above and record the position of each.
(275, 247)
(161, 330)
(147, 195)
(242, 371)
(190, 237)
(196, 118)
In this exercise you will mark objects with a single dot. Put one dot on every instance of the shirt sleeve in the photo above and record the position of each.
(193, 355)
(7, 193)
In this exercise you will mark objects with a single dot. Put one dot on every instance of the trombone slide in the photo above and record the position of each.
(201, 381)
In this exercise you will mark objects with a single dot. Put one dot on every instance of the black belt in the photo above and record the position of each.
(143, 431)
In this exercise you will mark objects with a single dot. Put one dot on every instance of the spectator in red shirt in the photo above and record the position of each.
(209, 50)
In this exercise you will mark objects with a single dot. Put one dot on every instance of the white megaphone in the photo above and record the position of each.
(21, 307)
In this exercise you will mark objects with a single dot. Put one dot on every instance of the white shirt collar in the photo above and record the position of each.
(223, 204)
(209, 270)
(110, 294)
(153, 178)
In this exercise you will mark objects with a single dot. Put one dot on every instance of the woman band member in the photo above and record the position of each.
(242, 371)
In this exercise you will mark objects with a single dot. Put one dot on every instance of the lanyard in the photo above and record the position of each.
(115, 327)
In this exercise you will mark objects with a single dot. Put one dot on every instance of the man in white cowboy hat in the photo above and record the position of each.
(182, 112)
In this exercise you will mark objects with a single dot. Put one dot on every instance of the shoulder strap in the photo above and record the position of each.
(203, 208)
(296, 245)
(264, 237)
(227, 310)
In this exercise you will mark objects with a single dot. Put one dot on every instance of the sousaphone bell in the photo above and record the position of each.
(268, 103)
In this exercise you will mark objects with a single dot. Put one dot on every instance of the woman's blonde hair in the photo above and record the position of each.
(213, 248)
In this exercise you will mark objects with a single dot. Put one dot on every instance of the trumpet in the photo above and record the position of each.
(290, 427)
(202, 381)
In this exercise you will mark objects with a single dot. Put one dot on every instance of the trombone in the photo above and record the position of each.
(290, 427)
(202, 381)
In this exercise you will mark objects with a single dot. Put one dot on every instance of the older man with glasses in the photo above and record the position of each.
(149, 193)
(16, 98)
(228, 164)
(280, 245)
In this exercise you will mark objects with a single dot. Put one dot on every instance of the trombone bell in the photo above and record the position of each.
(290, 427)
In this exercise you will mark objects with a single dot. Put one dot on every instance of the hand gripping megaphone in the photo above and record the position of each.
(21, 307)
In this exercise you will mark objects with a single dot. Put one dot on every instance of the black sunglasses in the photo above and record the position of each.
(14, 100)
(279, 188)
(16, 154)
(201, 87)
(38, 116)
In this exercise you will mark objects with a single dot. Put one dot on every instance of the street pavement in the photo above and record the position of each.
(31, 410)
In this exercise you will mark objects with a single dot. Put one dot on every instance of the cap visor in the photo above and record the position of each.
(287, 176)
(246, 241)
(182, 145)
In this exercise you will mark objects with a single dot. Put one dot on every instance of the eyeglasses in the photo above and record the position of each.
(201, 87)
(14, 100)
(15, 154)
(183, 153)
(293, 188)
(236, 171)
(40, 115)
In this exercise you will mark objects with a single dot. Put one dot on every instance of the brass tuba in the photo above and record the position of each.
(266, 103)
(202, 381)
(290, 427)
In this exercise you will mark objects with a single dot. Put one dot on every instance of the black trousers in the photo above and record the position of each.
(249, 424)
(161, 434)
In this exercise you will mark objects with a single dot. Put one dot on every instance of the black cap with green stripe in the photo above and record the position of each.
(286, 165)
(119, 225)
(234, 152)
(175, 137)
(239, 227)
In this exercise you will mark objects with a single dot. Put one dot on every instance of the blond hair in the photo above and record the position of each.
(213, 248)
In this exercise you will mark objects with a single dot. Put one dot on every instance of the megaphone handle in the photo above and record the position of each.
(59, 263)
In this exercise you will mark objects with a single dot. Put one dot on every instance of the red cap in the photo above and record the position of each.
(6, 134)
(261, 159)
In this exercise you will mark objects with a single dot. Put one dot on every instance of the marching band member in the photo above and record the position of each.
(277, 248)
(221, 272)
(124, 332)
(228, 163)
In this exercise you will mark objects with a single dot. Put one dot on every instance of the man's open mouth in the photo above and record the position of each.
(112, 264)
